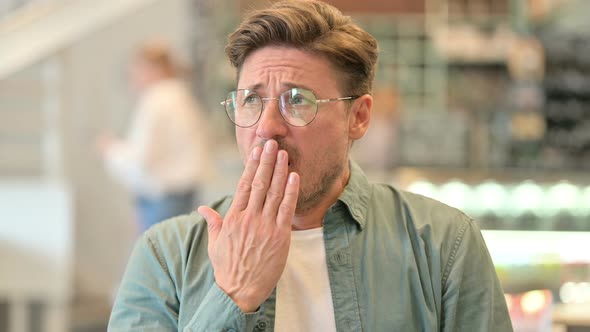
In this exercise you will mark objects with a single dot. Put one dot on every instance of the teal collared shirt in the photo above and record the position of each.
(396, 262)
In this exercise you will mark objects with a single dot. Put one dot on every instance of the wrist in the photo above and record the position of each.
(245, 305)
(247, 308)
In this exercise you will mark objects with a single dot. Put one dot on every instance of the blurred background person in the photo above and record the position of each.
(162, 160)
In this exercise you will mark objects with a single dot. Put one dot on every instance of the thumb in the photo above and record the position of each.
(214, 222)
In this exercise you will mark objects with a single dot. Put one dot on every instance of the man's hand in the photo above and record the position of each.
(248, 249)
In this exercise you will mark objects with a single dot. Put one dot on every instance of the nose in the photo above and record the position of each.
(271, 123)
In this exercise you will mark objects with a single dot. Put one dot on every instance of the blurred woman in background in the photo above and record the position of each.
(162, 159)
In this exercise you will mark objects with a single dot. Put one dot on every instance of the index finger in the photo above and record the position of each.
(242, 195)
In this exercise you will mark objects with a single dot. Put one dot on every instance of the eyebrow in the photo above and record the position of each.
(288, 85)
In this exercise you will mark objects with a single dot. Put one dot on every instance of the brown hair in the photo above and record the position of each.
(312, 26)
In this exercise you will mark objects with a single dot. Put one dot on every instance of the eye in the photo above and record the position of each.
(251, 99)
(301, 100)
(297, 100)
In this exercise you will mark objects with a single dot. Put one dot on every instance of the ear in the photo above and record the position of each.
(360, 116)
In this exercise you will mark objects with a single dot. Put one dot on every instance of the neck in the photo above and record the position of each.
(314, 217)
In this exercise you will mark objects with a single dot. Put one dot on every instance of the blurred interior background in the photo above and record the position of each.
(482, 104)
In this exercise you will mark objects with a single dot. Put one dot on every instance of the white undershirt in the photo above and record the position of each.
(304, 299)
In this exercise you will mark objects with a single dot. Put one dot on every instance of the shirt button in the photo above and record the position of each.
(261, 326)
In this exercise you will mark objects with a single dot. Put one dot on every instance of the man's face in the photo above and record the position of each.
(319, 151)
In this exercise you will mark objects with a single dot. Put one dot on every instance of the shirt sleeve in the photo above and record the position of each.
(148, 299)
(218, 312)
(473, 299)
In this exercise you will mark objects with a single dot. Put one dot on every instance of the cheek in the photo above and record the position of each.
(330, 149)
(316, 149)
(244, 139)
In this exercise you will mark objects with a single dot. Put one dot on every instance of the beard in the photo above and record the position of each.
(317, 181)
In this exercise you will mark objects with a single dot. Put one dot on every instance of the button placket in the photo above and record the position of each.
(261, 326)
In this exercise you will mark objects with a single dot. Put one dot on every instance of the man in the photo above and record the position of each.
(306, 243)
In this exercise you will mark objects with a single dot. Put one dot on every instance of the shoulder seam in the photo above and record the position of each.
(453, 255)
(157, 254)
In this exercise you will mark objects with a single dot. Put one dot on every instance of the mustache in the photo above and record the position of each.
(292, 151)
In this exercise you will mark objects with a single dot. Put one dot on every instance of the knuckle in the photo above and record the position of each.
(291, 196)
(274, 195)
(244, 186)
(258, 185)
(267, 162)
(244, 219)
(286, 209)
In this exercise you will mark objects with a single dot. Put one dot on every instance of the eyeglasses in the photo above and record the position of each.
(298, 106)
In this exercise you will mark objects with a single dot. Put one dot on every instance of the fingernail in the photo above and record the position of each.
(269, 146)
(292, 178)
(256, 153)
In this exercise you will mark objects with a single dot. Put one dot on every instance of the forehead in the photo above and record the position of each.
(284, 67)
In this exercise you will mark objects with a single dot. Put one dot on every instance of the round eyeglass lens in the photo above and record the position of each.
(299, 106)
(243, 107)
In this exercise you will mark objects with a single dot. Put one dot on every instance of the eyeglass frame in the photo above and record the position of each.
(265, 99)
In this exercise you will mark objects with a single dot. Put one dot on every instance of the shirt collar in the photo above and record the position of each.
(356, 194)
